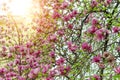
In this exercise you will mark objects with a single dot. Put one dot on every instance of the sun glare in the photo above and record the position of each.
(18, 7)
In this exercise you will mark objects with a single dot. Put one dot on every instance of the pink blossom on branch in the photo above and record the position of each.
(116, 29)
(70, 26)
(100, 34)
(60, 61)
(101, 65)
(33, 73)
(49, 78)
(66, 18)
(61, 32)
(29, 44)
(72, 47)
(92, 30)
(74, 13)
(52, 73)
(64, 69)
(117, 70)
(70, 15)
(94, 3)
(97, 77)
(86, 47)
(4, 48)
(21, 78)
(3, 70)
(69, 43)
(94, 21)
(52, 54)
(52, 38)
(56, 15)
(97, 58)
(108, 1)
(64, 5)
(11, 49)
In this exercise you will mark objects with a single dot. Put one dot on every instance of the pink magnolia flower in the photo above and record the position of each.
(71, 0)
(9, 55)
(22, 49)
(61, 32)
(20, 67)
(94, 21)
(10, 64)
(49, 78)
(71, 15)
(35, 64)
(66, 18)
(27, 66)
(64, 5)
(74, 13)
(56, 15)
(52, 73)
(11, 74)
(36, 70)
(52, 54)
(69, 43)
(117, 70)
(12, 49)
(21, 78)
(4, 48)
(109, 1)
(92, 30)
(70, 26)
(94, 3)
(100, 34)
(45, 68)
(101, 65)
(72, 47)
(52, 38)
(33, 73)
(60, 61)
(8, 79)
(86, 47)
(16, 46)
(29, 44)
(96, 58)
(116, 29)
(68, 68)
(97, 77)
(37, 53)
(64, 70)
(17, 61)
(3, 70)
(39, 30)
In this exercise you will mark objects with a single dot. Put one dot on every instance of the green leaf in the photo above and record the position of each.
(116, 77)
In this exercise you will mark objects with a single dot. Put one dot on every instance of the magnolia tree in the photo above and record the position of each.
(69, 40)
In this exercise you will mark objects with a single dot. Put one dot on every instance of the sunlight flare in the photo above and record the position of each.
(15, 7)
(20, 7)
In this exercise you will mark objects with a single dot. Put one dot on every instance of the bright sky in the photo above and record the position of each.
(17, 7)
